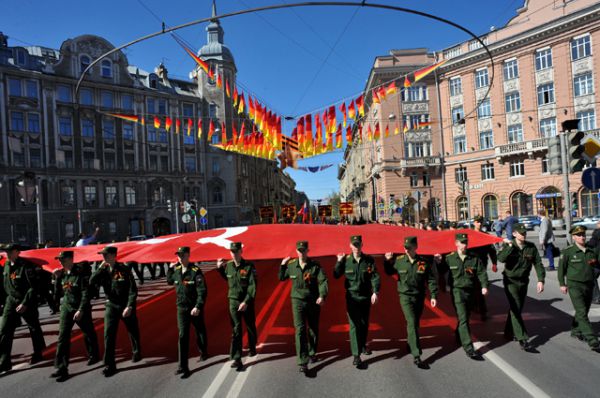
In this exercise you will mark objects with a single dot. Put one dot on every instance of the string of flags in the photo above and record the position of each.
(259, 133)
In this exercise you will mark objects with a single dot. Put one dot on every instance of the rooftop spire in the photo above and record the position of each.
(214, 9)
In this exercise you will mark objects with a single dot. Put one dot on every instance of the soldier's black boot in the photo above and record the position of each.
(237, 364)
(357, 361)
(92, 360)
(313, 359)
(35, 358)
(366, 351)
(303, 368)
(136, 357)
(62, 377)
(420, 364)
(525, 345)
(109, 371)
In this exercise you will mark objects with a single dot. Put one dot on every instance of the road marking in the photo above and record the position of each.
(512, 373)
(217, 381)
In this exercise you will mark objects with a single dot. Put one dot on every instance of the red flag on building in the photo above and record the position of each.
(227, 89)
(352, 111)
(344, 113)
(360, 105)
(177, 125)
(211, 131)
(199, 129)
(156, 122)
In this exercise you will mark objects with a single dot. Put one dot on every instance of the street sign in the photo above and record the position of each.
(186, 207)
(203, 220)
(591, 148)
(186, 218)
(346, 208)
(203, 212)
(325, 211)
(288, 211)
(590, 178)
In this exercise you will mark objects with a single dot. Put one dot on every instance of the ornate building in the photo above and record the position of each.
(95, 170)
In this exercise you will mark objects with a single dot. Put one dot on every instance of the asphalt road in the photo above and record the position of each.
(561, 367)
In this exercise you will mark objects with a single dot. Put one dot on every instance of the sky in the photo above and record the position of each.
(295, 61)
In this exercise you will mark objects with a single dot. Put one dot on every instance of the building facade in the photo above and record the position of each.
(95, 170)
(496, 142)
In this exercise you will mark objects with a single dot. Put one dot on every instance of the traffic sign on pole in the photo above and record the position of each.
(203, 212)
(590, 178)
(203, 220)
(186, 218)
(186, 206)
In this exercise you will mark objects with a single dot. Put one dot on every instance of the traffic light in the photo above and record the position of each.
(574, 145)
(169, 207)
(194, 207)
(554, 156)
(27, 188)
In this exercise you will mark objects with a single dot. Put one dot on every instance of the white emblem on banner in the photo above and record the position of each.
(222, 240)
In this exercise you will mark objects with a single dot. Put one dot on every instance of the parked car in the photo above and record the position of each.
(486, 225)
(532, 223)
(588, 222)
(141, 237)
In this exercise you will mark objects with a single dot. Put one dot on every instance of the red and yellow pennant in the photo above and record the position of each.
(168, 124)
(344, 113)
(352, 111)
(422, 73)
(156, 122)
(199, 129)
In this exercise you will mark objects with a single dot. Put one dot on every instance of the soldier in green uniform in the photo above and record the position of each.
(20, 285)
(519, 256)
(413, 272)
(309, 290)
(72, 282)
(121, 291)
(190, 287)
(362, 284)
(576, 277)
(241, 280)
(483, 252)
(464, 268)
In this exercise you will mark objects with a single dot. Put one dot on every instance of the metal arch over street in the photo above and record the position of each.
(303, 4)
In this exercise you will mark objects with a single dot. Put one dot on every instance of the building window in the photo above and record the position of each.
(522, 204)
(462, 207)
(33, 122)
(107, 99)
(548, 127)
(68, 196)
(14, 87)
(162, 136)
(217, 195)
(484, 110)
(65, 125)
(452, 52)
(17, 121)
(127, 131)
(414, 179)
(457, 114)
(21, 57)
(130, 196)
(513, 102)
(190, 164)
(589, 202)
(486, 139)
(112, 200)
(86, 97)
(587, 120)
(481, 78)
(545, 94)
(112, 227)
(490, 207)
(517, 168)
(32, 89)
(18, 158)
(63, 93)
(151, 105)
(515, 133)
(88, 160)
(216, 167)
(455, 86)
(110, 161)
(127, 102)
(583, 84)
(106, 68)
(153, 81)
(151, 134)
(129, 161)
(581, 47)
(189, 139)
(475, 44)
(108, 129)
(35, 158)
(87, 128)
(543, 59)
(511, 69)
(89, 192)
(487, 172)
(162, 107)
(545, 165)
(426, 179)
(188, 110)
(68, 159)
(415, 93)
(153, 163)
(418, 150)
(460, 174)
(212, 111)
(460, 144)
(84, 62)
(164, 163)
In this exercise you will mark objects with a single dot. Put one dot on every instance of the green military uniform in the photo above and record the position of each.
(190, 287)
(361, 281)
(518, 262)
(308, 284)
(463, 274)
(483, 253)
(121, 292)
(241, 281)
(20, 285)
(576, 271)
(413, 274)
(73, 286)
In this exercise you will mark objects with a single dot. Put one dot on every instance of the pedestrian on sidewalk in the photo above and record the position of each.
(595, 243)
(547, 238)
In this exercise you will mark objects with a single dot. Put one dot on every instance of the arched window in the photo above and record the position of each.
(521, 204)
(462, 208)
(217, 194)
(490, 207)
(106, 68)
(84, 62)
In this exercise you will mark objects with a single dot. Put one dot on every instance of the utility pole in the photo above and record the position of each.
(176, 217)
(39, 210)
(468, 192)
(565, 173)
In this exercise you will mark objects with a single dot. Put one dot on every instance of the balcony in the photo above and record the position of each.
(521, 148)
(420, 162)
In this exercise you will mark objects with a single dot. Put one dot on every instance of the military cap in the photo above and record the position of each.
(578, 229)
(183, 250)
(108, 250)
(356, 239)
(64, 254)
(463, 238)
(302, 244)
(520, 228)
(410, 241)
(10, 246)
(235, 246)
(478, 219)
